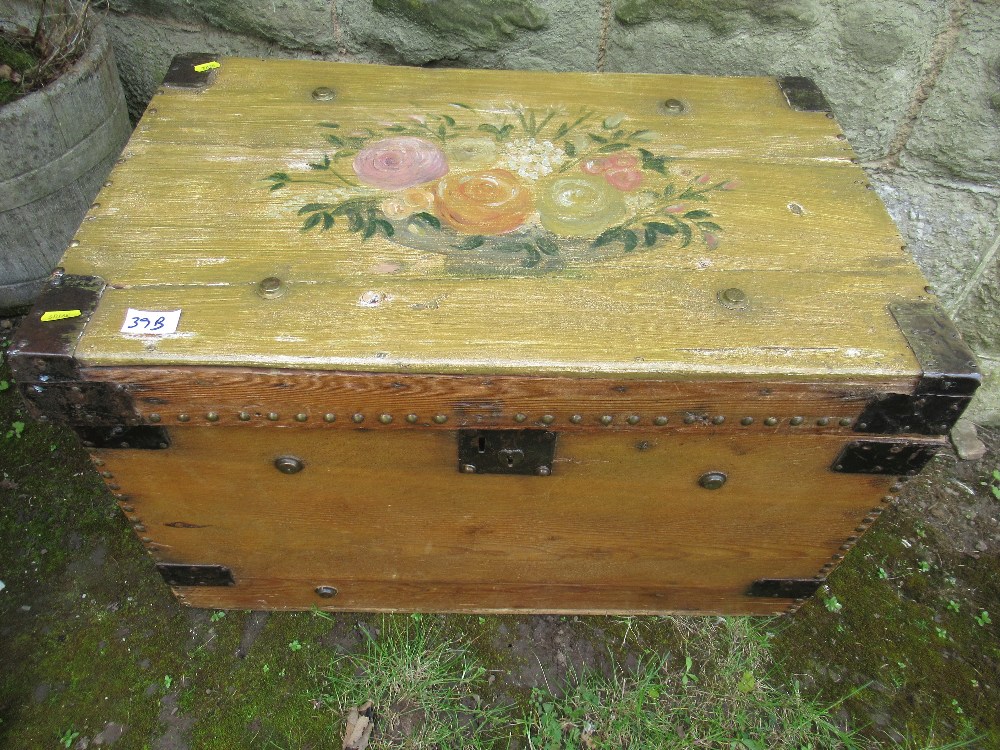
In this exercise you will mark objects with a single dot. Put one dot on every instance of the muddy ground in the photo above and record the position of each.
(96, 652)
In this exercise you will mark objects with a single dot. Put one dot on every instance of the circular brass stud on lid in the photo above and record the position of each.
(576, 418)
(660, 421)
(771, 421)
(607, 419)
(719, 419)
(329, 417)
(183, 417)
(796, 421)
(324, 94)
(288, 464)
(633, 419)
(154, 417)
(385, 418)
(746, 421)
(212, 416)
(440, 418)
(712, 480)
(519, 417)
(673, 107)
(733, 298)
(547, 419)
(301, 417)
(358, 418)
(273, 416)
(244, 416)
(326, 592)
(270, 287)
(412, 418)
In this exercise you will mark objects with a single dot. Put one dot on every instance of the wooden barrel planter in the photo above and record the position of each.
(57, 145)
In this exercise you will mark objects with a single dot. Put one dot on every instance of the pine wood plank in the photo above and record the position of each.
(389, 521)
(218, 397)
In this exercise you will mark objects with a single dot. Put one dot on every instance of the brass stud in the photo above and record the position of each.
(771, 421)
(440, 418)
(576, 419)
(212, 416)
(385, 418)
(107, 474)
(519, 417)
(75, 243)
(128, 508)
(244, 416)
(823, 421)
(183, 417)
(98, 462)
(607, 419)
(358, 418)
(411, 418)
(718, 419)
(323, 94)
(326, 591)
(146, 539)
(660, 421)
(154, 417)
(468, 468)
(796, 421)
(288, 464)
(633, 419)
(746, 421)
(733, 298)
(673, 106)
(712, 480)
(543, 471)
(270, 287)
(139, 527)
(329, 417)
(273, 416)
(689, 419)
(548, 419)
(845, 422)
(301, 417)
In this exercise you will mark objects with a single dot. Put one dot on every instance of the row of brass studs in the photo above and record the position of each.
(520, 418)
(123, 502)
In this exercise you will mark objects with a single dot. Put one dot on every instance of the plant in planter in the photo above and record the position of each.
(63, 122)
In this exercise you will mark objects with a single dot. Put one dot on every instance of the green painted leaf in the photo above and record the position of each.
(709, 226)
(369, 229)
(345, 152)
(327, 220)
(278, 177)
(442, 130)
(386, 228)
(396, 129)
(612, 147)
(697, 214)
(597, 138)
(335, 140)
(658, 226)
(329, 125)
(532, 259)
(506, 130)
(277, 186)
(669, 190)
(650, 236)
(547, 246)
(471, 243)
(355, 221)
(426, 218)
(630, 239)
(311, 207)
(685, 231)
(607, 236)
(461, 106)
(449, 120)
(311, 222)
(487, 128)
(569, 148)
(325, 164)
(561, 131)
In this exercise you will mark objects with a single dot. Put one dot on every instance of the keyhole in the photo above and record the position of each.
(482, 445)
(510, 461)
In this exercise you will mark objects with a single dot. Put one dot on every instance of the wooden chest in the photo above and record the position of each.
(368, 338)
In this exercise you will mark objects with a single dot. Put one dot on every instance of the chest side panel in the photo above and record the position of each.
(624, 523)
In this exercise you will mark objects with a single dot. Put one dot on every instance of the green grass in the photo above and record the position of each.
(20, 60)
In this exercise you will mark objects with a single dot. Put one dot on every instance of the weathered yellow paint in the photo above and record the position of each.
(189, 222)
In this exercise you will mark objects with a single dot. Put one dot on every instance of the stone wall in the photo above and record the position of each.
(915, 84)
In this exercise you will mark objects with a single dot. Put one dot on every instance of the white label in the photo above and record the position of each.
(150, 322)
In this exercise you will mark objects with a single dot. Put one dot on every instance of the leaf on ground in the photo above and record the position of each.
(360, 722)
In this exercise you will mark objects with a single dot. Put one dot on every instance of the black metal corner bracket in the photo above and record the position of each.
(182, 72)
(802, 94)
(196, 575)
(784, 588)
(893, 457)
(43, 363)
(949, 376)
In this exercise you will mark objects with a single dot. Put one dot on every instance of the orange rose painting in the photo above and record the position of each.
(510, 188)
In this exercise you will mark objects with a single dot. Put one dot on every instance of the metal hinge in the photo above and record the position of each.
(506, 451)
(784, 588)
(948, 376)
(895, 457)
(196, 575)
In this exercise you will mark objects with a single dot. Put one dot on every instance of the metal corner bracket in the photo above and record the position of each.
(196, 575)
(802, 94)
(784, 588)
(182, 73)
(949, 376)
(893, 457)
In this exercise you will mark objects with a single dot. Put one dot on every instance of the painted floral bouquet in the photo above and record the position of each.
(517, 192)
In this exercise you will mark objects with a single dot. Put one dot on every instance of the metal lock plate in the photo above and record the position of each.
(506, 451)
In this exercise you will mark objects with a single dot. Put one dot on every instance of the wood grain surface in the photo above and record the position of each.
(221, 396)
(621, 525)
(188, 222)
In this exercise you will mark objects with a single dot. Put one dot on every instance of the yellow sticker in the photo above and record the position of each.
(206, 66)
(60, 315)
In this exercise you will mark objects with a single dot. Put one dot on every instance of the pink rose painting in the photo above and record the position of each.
(400, 163)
